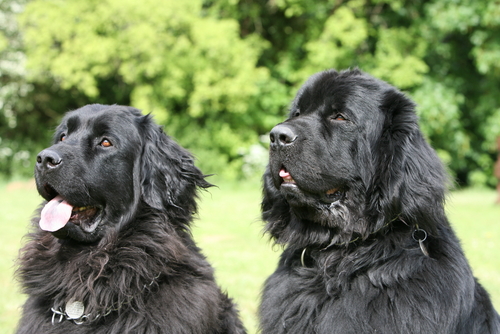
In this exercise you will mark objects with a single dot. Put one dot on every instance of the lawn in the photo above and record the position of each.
(230, 233)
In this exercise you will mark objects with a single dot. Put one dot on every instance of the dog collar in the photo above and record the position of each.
(418, 234)
(74, 310)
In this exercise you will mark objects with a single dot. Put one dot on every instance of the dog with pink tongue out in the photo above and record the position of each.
(111, 250)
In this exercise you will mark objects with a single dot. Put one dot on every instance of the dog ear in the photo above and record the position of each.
(409, 181)
(168, 177)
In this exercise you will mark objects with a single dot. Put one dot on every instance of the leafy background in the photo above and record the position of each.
(219, 74)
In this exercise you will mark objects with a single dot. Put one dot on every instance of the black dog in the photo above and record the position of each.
(112, 251)
(355, 194)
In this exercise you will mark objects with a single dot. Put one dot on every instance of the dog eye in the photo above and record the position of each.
(297, 113)
(339, 117)
(63, 137)
(105, 143)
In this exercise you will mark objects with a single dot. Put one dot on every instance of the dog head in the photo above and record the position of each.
(104, 163)
(349, 159)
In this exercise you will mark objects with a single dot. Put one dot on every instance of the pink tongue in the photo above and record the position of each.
(285, 175)
(55, 214)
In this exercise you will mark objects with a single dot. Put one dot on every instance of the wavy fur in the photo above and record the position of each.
(365, 186)
(140, 271)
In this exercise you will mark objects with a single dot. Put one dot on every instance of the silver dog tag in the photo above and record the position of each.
(74, 309)
(423, 248)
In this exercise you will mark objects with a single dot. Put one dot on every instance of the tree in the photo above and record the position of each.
(465, 39)
(13, 88)
(442, 53)
(192, 71)
(220, 73)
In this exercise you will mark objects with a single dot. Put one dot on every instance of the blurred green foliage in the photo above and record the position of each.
(220, 73)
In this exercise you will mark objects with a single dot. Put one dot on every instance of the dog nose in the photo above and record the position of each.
(48, 159)
(282, 135)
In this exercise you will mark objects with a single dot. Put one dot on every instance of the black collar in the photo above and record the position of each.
(307, 256)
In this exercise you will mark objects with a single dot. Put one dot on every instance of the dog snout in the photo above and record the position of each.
(282, 135)
(48, 159)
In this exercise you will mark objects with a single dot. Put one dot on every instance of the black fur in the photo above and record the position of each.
(139, 270)
(362, 186)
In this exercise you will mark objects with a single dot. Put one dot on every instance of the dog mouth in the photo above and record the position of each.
(58, 213)
(287, 181)
(85, 216)
(286, 178)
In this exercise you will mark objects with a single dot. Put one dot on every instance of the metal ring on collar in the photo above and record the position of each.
(416, 237)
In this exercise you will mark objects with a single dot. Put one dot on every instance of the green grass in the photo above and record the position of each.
(230, 233)
(476, 221)
(19, 201)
